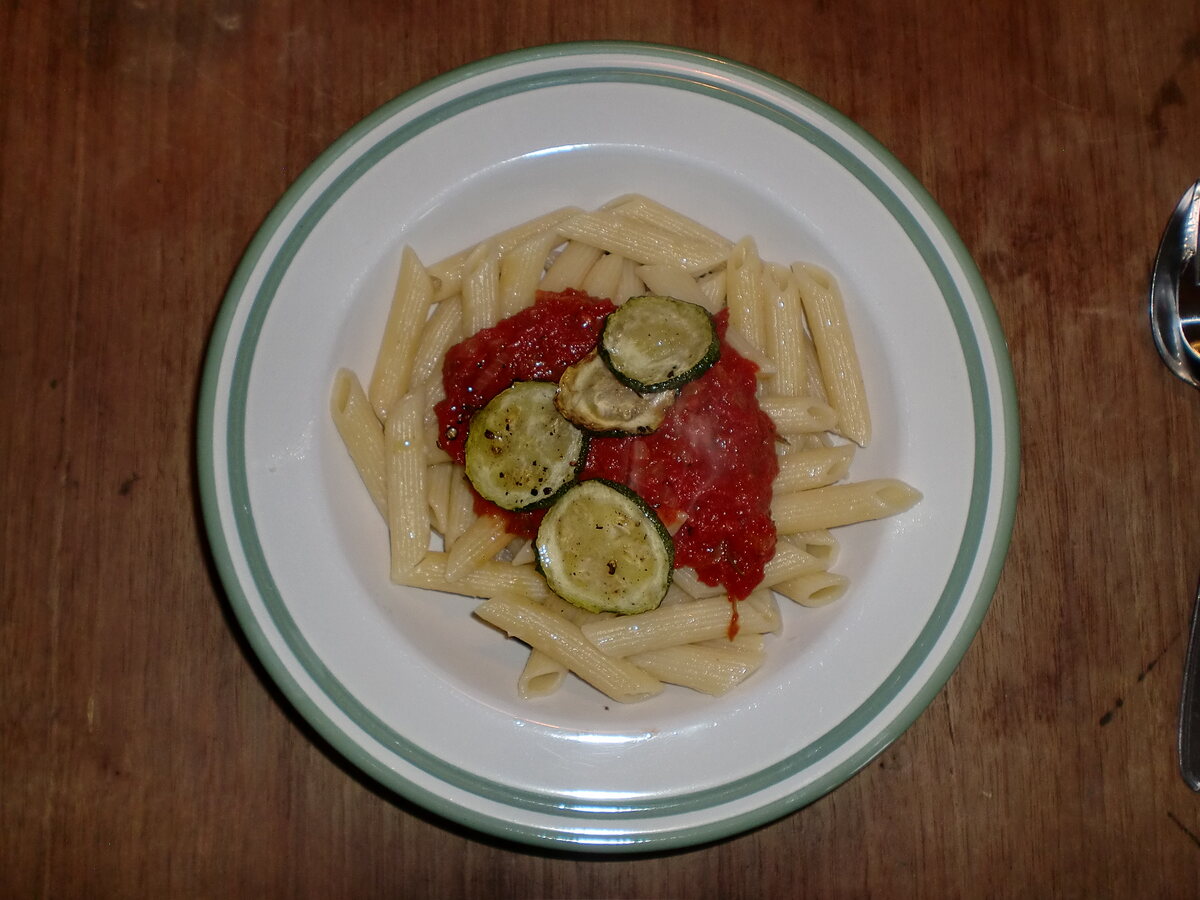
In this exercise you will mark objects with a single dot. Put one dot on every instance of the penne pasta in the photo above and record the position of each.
(767, 617)
(786, 339)
(642, 242)
(640, 208)
(702, 667)
(434, 455)
(410, 307)
(813, 380)
(486, 580)
(441, 332)
(437, 493)
(744, 294)
(407, 511)
(541, 676)
(676, 594)
(713, 286)
(735, 339)
(563, 641)
(813, 467)
(483, 539)
(842, 504)
(670, 626)
(687, 581)
(448, 273)
(481, 288)
(629, 285)
(570, 267)
(604, 277)
(818, 543)
(814, 589)
(460, 511)
(524, 554)
(799, 415)
(521, 271)
(671, 281)
(361, 433)
(836, 353)
(742, 643)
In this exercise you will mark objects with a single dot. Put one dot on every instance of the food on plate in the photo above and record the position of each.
(627, 433)
(590, 396)
(658, 343)
(604, 549)
(520, 452)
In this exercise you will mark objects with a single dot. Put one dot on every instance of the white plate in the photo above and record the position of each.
(405, 683)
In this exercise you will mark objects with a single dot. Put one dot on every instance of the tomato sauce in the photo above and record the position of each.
(710, 466)
(536, 344)
(707, 469)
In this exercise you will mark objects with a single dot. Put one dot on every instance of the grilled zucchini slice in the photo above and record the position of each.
(520, 452)
(590, 396)
(658, 343)
(604, 549)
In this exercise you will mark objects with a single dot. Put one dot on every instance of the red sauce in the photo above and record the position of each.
(536, 344)
(709, 466)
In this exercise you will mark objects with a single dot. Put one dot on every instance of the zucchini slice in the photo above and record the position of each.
(604, 549)
(658, 343)
(520, 453)
(590, 396)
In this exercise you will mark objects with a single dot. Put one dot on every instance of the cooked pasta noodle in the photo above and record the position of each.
(790, 321)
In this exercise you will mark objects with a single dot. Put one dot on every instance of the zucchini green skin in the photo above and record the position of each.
(521, 454)
(592, 398)
(657, 344)
(602, 548)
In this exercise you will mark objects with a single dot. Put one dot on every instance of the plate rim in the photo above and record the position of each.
(629, 838)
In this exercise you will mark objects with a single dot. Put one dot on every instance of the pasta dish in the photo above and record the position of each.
(627, 434)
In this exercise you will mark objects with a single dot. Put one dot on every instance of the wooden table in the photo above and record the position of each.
(142, 750)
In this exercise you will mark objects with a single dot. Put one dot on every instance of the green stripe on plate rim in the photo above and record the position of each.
(606, 813)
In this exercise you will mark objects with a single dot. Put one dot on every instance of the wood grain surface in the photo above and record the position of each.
(144, 753)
